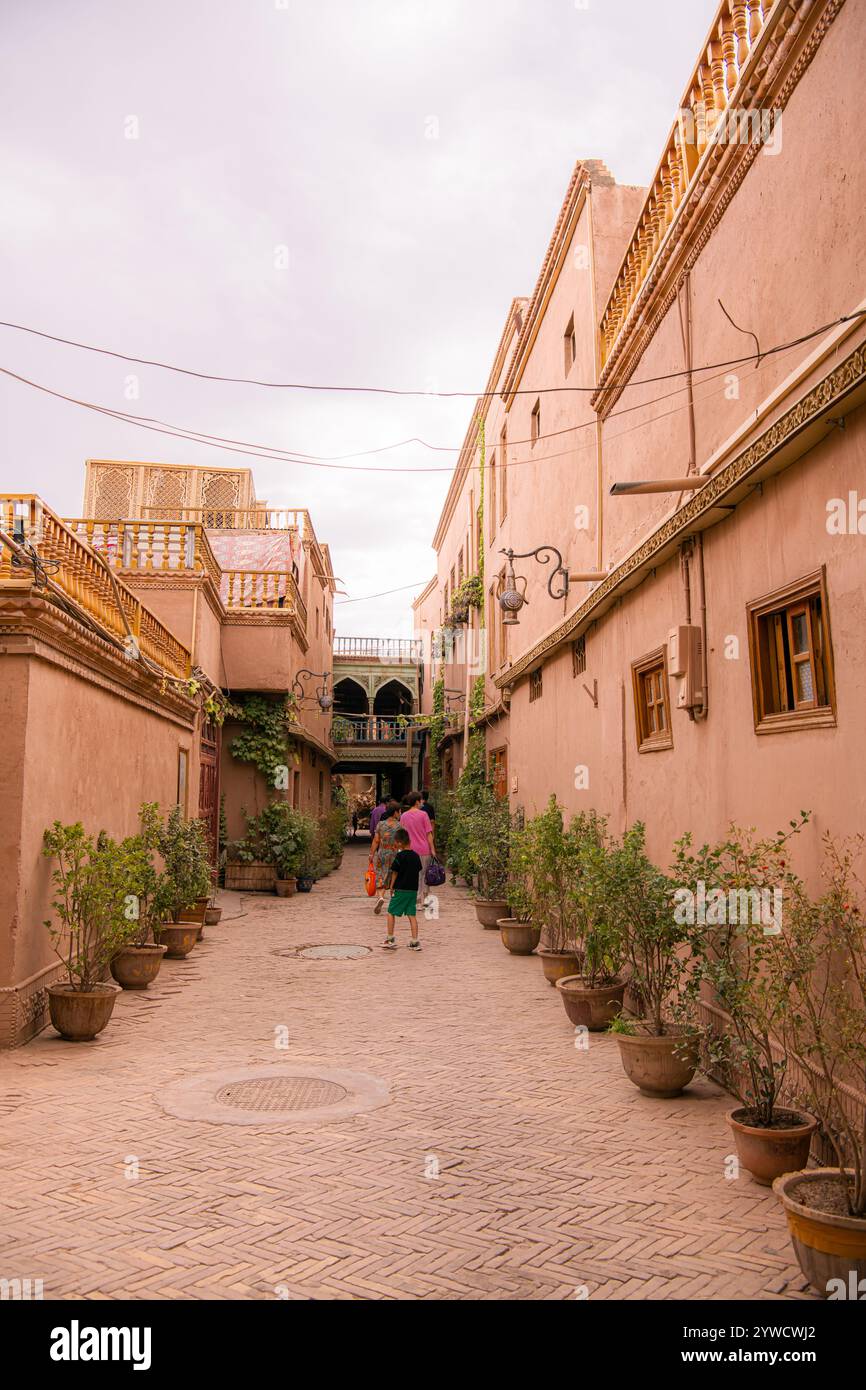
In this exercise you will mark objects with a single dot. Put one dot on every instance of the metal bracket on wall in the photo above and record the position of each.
(593, 694)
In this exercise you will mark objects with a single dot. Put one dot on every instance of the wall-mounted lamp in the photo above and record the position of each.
(324, 697)
(512, 598)
(658, 485)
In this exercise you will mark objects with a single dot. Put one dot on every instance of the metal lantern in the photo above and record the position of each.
(512, 599)
(324, 698)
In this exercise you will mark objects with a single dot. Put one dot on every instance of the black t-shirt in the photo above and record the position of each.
(425, 806)
(407, 866)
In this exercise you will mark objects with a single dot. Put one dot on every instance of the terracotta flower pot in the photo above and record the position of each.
(828, 1247)
(590, 1008)
(520, 938)
(212, 916)
(178, 938)
(135, 967)
(79, 1015)
(556, 965)
(285, 887)
(194, 913)
(489, 911)
(768, 1153)
(658, 1066)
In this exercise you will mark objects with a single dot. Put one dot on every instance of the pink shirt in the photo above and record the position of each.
(417, 823)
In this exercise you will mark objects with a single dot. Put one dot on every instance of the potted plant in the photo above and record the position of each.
(660, 1050)
(737, 889)
(91, 926)
(136, 965)
(593, 995)
(822, 959)
(488, 830)
(287, 836)
(183, 846)
(519, 933)
(248, 868)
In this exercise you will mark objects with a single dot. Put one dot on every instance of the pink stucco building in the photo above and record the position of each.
(714, 669)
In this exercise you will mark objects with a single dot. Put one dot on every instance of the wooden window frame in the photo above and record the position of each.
(578, 656)
(497, 770)
(785, 603)
(536, 684)
(651, 741)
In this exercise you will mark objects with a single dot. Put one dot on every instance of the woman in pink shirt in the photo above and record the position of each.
(420, 828)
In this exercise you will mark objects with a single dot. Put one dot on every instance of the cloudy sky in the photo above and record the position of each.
(340, 192)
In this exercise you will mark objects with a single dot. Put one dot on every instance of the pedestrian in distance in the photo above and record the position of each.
(420, 829)
(403, 883)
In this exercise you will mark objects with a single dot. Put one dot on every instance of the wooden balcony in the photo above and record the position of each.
(150, 547)
(72, 564)
(263, 591)
(703, 119)
(236, 518)
(391, 650)
(369, 729)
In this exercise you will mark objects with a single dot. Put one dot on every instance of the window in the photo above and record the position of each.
(182, 777)
(652, 702)
(453, 585)
(536, 686)
(791, 657)
(535, 430)
(503, 475)
(491, 501)
(497, 771)
(578, 656)
(569, 346)
(501, 629)
(460, 566)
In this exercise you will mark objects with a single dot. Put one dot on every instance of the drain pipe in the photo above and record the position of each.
(684, 306)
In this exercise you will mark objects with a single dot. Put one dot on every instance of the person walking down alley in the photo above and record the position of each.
(403, 883)
(383, 850)
(420, 830)
(376, 815)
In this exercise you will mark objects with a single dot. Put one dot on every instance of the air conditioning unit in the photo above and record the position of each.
(685, 664)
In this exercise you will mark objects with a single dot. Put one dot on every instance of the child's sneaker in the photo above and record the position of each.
(380, 903)
(390, 943)
(414, 945)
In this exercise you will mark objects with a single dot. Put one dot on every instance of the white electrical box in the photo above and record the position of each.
(685, 664)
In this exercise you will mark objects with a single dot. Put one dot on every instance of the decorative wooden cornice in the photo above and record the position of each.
(698, 176)
(777, 447)
(31, 625)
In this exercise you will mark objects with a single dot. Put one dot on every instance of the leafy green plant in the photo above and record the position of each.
(469, 594)
(91, 902)
(289, 834)
(184, 847)
(737, 887)
(821, 961)
(640, 906)
(265, 741)
(487, 835)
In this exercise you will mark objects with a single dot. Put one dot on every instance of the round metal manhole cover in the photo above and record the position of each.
(276, 1095)
(282, 1093)
(338, 952)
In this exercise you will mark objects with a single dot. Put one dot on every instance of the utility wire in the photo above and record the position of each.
(384, 593)
(398, 391)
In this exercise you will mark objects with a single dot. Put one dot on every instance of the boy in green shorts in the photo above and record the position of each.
(403, 883)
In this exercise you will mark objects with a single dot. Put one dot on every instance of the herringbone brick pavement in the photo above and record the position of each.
(556, 1178)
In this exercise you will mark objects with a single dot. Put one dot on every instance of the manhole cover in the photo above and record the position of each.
(276, 1095)
(282, 1093)
(338, 952)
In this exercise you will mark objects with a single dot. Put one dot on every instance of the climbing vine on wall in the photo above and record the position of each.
(265, 740)
(437, 731)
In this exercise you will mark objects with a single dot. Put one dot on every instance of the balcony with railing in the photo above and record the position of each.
(391, 650)
(67, 565)
(369, 729)
(737, 30)
(263, 591)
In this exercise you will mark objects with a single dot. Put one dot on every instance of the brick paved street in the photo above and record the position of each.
(554, 1172)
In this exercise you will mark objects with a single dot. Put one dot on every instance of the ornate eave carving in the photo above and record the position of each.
(696, 513)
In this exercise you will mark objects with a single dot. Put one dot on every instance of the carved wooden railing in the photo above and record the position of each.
(388, 649)
(234, 518)
(150, 547)
(735, 31)
(263, 590)
(71, 565)
(347, 728)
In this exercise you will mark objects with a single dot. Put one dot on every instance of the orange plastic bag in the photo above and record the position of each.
(370, 881)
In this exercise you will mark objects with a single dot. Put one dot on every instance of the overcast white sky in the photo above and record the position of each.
(302, 124)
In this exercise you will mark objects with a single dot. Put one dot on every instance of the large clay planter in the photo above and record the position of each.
(197, 914)
(135, 967)
(827, 1247)
(590, 1008)
(490, 911)
(520, 938)
(658, 1066)
(178, 938)
(285, 887)
(79, 1015)
(212, 916)
(768, 1153)
(556, 965)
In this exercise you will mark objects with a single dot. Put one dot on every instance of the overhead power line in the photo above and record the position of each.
(402, 391)
(384, 594)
